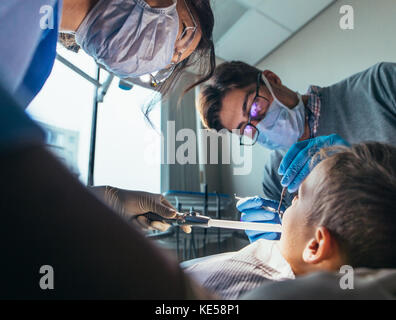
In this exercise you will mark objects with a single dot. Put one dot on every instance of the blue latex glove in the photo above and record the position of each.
(252, 211)
(296, 165)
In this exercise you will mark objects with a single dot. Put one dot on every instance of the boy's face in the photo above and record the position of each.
(295, 231)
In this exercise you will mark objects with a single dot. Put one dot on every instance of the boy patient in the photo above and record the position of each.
(344, 214)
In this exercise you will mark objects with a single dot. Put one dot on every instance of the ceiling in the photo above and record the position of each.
(248, 30)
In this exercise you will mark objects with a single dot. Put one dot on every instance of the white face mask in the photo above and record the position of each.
(128, 37)
(282, 126)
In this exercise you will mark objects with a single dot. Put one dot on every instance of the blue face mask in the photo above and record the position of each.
(282, 126)
(128, 37)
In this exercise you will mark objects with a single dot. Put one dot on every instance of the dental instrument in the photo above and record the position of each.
(196, 220)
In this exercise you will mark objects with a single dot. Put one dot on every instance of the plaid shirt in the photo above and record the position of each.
(313, 110)
(232, 274)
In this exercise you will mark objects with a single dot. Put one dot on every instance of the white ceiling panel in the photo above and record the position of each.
(292, 14)
(226, 13)
(251, 38)
(248, 30)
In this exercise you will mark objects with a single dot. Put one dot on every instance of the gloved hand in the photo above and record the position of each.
(133, 204)
(296, 164)
(252, 211)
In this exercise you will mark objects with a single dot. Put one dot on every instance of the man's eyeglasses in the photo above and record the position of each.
(249, 132)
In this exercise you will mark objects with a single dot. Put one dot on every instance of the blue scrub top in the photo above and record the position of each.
(42, 62)
(27, 55)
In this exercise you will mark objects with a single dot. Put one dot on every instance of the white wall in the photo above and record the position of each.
(322, 54)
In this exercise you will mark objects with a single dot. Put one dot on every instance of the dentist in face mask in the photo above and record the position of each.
(266, 113)
(275, 117)
(272, 123)
(109, 33)
(148, 42)
(130, 38)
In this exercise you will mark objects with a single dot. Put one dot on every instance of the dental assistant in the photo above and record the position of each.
(359, 108)
(130, 38)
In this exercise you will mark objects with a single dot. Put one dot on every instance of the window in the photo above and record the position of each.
(64, 109)
(128, 149)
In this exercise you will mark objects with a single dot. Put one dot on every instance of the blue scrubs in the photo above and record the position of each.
(27, 55)
(42, 62)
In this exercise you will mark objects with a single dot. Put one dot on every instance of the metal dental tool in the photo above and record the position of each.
(280, 202)
(196, 220)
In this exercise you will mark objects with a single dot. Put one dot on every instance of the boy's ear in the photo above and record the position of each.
(272, 77)
(318, 248)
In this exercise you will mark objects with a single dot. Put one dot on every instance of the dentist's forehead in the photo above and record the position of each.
(231, 113)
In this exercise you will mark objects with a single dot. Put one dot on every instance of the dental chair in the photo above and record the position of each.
(368, 284)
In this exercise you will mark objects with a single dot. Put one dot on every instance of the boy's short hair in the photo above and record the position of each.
(356, 201)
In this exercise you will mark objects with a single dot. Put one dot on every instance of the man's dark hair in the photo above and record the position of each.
(227, 76)
(356, 201)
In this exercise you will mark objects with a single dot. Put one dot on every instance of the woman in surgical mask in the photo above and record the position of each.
(148, 42)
